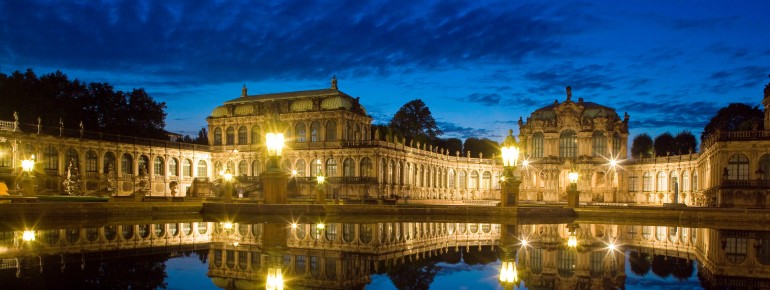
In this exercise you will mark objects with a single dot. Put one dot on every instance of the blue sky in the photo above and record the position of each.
(478, 65)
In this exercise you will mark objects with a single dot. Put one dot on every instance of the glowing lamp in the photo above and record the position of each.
(573, 177)
(320, 179)
(27, 165)
(509, 150)
(28, 236)
(274, 279)
(274, 142)
(508, 273)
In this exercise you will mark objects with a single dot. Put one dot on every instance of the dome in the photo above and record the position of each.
(590, 110)
(336, 102)
(301, 105)
(220, 112)
(244, 110)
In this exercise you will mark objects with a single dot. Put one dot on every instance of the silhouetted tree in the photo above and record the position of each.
(452, 145)
(735, 117)
(641, 146)
(414, 119)
(684, 142)
(639, 262)
(661, 266)
(486, 146)
(415, 275)
(664, 144)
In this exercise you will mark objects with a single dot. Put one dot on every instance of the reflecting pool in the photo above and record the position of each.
(386, 253)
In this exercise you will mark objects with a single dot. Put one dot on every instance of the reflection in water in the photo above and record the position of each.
(336, 255)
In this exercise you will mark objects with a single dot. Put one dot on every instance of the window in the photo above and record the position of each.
(126, 164)
(243, 168)
(91, 162)
(71, 155)
(487, 180)
(463, 180)
(256, 134)
(242, 136)
(109, 162)
(218, 136)
(600, 144)
(695, 181)
(6, 155)
(331, 167)
(568, 144)
(566, 260)
(51, 157)
(300, 167)
(315, 134)
(616, 143)
(537, 144)
(686, 181)
(661, 182)
(366, 167)
(256, 168)
(632, 183)
(738, 167)
(763, 172)
(331, 131)
(451, 178)
(173, 169)
(647, 182)
(347, 168)
(202, 168)
(300, 133)
(315, 168)
(474, 179)
(230, 136)
(735, 249)
(187, 168)
(158, 166)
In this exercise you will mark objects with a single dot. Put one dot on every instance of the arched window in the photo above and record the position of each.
(331, 167)
(662, 182)
(243, 168)
(6, 158)
(230, 136)
(187, 168)
(91, 162)
(616, 142)
(568, 144)
(738, 167)
(686, 181)
(300, 134)
(348, 169)
(600, 144)
(202, 169)
(315, 132)
(173, 169)
(674, 181)
(735, 249)
(315, 168)
(110, 162)
(242, 135)
(647, 182)
(51, 157)
(71, 155)
(331, 131)
(487, 180)
(158, 166)
(256, 168)
(300, 166)
(126, 164)
(256, 134)
(217, 136)
(474, 180)
(694, 181)
(451, 178)
(463, 179)
(538, 144)
(763, 173)
(392, 172)
(365, 167)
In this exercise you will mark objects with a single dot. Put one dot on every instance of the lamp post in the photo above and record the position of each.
(320, 192)
(572, 241)
(510, 155)
(227, 177)
(28, 177)
(573, 196)
(510, 245)
(274, 181)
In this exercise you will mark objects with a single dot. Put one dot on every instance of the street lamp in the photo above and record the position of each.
(227, 177)
(274, 181)
(274, 142)
(27, 178)
(510, 154)
(320, 194)
(573, 196)
(572, 241)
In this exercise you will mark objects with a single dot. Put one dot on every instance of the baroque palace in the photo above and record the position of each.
(328, 133)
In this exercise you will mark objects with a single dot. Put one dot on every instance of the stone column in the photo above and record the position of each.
(274, 186)
(573, 196)
(510, 193)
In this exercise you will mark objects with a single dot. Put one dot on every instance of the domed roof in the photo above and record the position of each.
(244, 110)
(221, 111)
(336, 102)
(589, 110)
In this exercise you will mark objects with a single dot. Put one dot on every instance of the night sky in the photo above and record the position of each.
(478, 65)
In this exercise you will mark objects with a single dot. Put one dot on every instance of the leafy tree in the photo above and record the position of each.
(485, 146)
(642, 146)
(452, 145)
(684, 142)
(735, 117)
(664, 144)
(100, 108)
(414, 119)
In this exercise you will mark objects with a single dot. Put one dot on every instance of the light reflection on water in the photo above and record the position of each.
(381, 255)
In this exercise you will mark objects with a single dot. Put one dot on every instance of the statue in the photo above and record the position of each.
(173, 186)
(569, 93)
(15, 121)
(39, 124)
(244, 91)
(625, 118)
(521, 123)
(334, 82)
(61, 126)
(81, 129)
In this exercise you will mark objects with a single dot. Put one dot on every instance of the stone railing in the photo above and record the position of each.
(734, 136)
(757, 184)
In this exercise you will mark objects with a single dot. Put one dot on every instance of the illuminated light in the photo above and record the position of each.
(227, 226)
(502, 178)
(27, 165)
(509, 150)
(320, 179)
(294, 226)
(236, 244)
(235, 150)
(274, 279)
(274, 142)
(612, 246)
(524, 243)
(613, 162)
(573, 177)
(525, 163)
(293, 172)
(28, 236)
(320, 226)
(572, 241)
(508, 272)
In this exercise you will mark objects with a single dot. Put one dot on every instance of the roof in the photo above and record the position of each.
(287, 95)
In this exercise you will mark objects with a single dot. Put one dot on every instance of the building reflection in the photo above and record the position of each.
(338, 255)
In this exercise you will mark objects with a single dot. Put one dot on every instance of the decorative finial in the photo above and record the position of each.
(569, 93)
(334, 82)
(244, 91)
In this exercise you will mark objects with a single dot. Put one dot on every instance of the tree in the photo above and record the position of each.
(414, 119)
(684, 142)
(664, 144)
(642, 146)
(452, 145)
(735, 117)
(487, 147)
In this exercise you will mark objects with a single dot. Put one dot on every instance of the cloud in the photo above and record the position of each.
(689, 115)
(483, 99)
(195, 41)
(554, 78)
(452, 130)
(724, 81)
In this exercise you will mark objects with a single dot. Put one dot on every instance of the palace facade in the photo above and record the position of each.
(329, 133)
